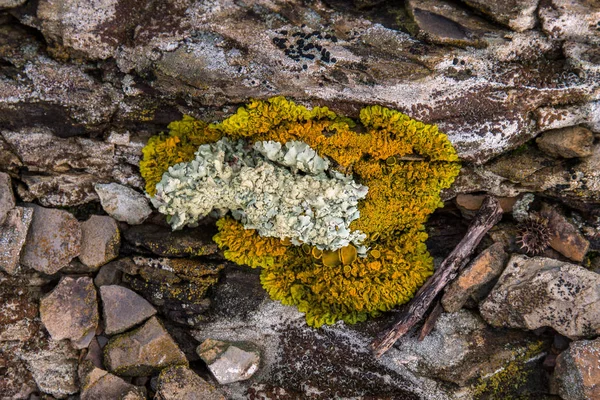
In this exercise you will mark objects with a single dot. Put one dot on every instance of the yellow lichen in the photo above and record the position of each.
(405, 164)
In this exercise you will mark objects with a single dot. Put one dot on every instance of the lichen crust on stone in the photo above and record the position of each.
(403, 163)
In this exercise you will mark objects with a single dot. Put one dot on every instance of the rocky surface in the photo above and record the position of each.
(576, 375)
(100, 241)
(567, 142)
(97, 384)
(564, 236)
(122, 309)
(13, 233)
(230, 362)
(53, 240)
(123, 203)
(70, 311)
(537, 292)
(7, 198)
(181, 383)
(143, 351)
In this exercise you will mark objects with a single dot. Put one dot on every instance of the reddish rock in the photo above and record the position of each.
(564, 236)
(472, 202)
(100, 241)
(577, 371)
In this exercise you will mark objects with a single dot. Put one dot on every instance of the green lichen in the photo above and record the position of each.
(404, 163)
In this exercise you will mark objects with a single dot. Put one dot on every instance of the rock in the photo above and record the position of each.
(17, 382)
(443, 22)
(576, 375)
(123, 203)
(5, 4)
(487, 266)
(570, 20)
(100, 241)
(181, 383)
(142, 351)
(537, 292)
(109, 274)
(97, 384)
(54, 368)
(53, 240)
(564, 236)
(13, 233)
(70, 311)
(7, 198)
(123, 309)
(94, 354)
(569, 142)
(165, 242)
(518, 15)
(18, 314)
(472, 202)
(229, 362)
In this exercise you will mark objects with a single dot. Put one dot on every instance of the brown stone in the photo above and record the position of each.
(53, 240)
(100, 241)
(564, 236)
(123, 308)
(7, 198)
(181, 383)
(97, 384)
(575, 141)
(577, 372)
(472, 202)
(483, 269)
(70, 311)
(13, 233)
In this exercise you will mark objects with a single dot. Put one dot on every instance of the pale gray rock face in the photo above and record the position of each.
(53, 240)
(70, 311)
(100, 241)
(518, 15)
(13, 233)
(142, 351)
(181, 383)
(230, 362)
(123, 309)
(123, 203)
(538, 292)
(576, 375)
(571, 20)
(54, 368)
(570, 142)
(5, 4)
(7, 198)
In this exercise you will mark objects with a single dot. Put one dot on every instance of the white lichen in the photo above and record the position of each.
(287, 191)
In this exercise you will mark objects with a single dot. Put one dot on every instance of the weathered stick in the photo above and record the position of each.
(487, 216)
(431, 320)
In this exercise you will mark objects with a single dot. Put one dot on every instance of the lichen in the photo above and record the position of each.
(404, 163)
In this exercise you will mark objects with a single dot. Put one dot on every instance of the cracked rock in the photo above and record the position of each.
(7, 198)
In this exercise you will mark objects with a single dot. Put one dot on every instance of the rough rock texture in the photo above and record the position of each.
(518, 15)
(230, 362)
(4, 4)
(97, 384)
(564, 236)
(487, 266)
(571, 20)
(122, 309)
(70, 311)
(100, 241)
(18, 314)
(53, 240)
(537, 292)
(570, 142)
(142, 351)
(123, 203)
(54, 368)
(7, 198)
(109, 274)
(13, 233)
(181, 383)
(576, 375)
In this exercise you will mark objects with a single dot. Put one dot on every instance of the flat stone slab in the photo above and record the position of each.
(143, 351)
(123, 308)
(537, 292)
(53, 240)
(229, 362)
(100, 241)
(70, 311)
(123, 203)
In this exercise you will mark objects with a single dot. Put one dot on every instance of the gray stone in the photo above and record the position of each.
(577, 375)
(143, 351)
(569, 142)
(229, 362)
(123, 203)
(5, 4)
(564, 236)
(181, 383)
(123, 309)
(538, 292)
(100, 241)
(7, 198)
(518, 15)
(97, 384)
(53, 240)
(109, 274)
(13, 233)
(571, 20)
(54, 368)
(70, 311)
(487, 266)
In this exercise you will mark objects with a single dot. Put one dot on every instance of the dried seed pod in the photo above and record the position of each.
(533, 234)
